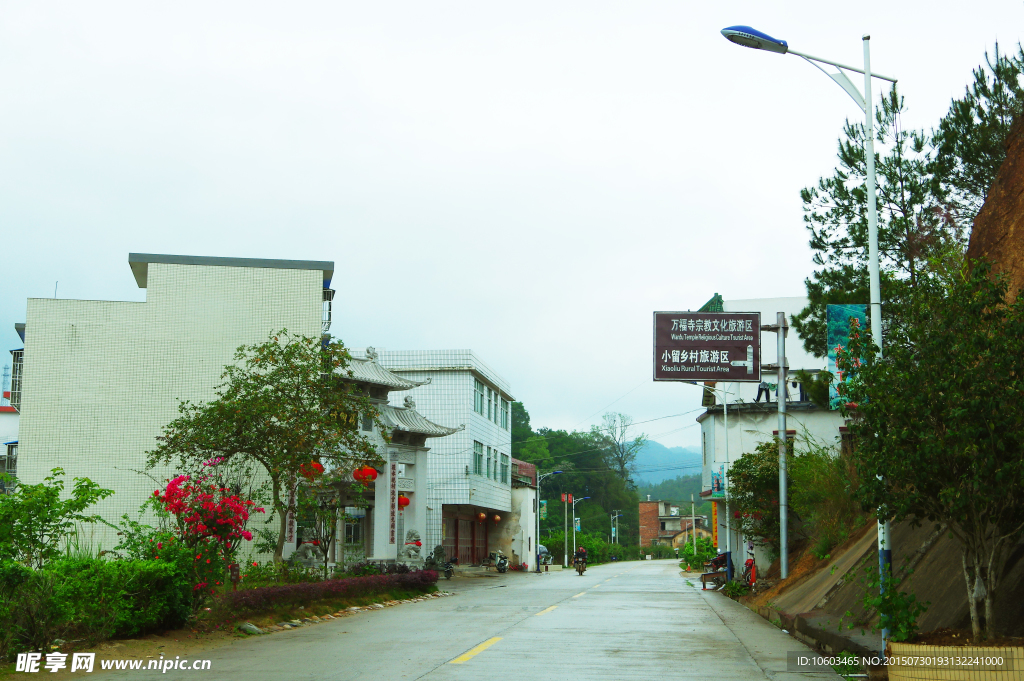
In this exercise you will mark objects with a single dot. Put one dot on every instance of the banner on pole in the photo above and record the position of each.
(577, 524)
(543, 509)
(839, 319)
(714, 523)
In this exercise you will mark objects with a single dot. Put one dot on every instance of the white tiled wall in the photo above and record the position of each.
(102, 378)
(448, 400)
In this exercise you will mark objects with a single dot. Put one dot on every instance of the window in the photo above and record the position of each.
(367, 424)
(18, 360)
(354, 532)
(488, 462)
(478, 397)
(478, 458)
(663, 526)
(704, 447)
(504, 469)
(505, 420)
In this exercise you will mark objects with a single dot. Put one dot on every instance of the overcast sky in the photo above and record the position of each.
(530, 180)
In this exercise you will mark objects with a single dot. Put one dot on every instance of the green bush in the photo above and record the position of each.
(89, 599)
(30, 616)
(705, 552)
(122, 597)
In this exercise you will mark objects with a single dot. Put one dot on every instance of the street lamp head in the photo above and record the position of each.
(752, 38)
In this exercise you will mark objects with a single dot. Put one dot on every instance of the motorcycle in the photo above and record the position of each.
(714, 571)
(749, 569)
(449, 568)
(500, 561)
(581, 565)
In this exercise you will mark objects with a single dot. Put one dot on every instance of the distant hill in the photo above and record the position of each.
(656, 463)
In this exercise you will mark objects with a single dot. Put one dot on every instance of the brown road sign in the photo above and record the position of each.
(707, 346)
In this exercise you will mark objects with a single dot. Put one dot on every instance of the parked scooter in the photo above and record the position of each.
(749, 568)
(500, 561)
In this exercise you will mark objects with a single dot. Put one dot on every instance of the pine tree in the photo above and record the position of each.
(913, 225)
(970, 141)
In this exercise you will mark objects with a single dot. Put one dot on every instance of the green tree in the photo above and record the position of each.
(940, 423)
(912, 224)
(284, 403)
(622, 448)
(34, 520)
(521, 429)
(754, 495)
(970, 141)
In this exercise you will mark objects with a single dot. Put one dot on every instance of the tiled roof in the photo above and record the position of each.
(402, 418)
(368, 371)
(716, 304)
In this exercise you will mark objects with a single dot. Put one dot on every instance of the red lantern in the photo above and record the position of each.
(403, 501)
(496, 519)
(482, 517)
(357, 474)
(369, 473)
(311, 470)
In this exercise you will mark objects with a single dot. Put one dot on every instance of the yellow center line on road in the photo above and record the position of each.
(579, 594)
(473, 652)
(545, 610)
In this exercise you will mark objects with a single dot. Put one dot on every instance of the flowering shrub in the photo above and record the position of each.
(265, 598)
(211, 523)
(205, 509)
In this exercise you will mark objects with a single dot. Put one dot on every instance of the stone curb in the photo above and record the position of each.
(252, 629)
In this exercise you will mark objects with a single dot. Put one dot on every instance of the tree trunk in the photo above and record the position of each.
(972, 603)
(282, 513)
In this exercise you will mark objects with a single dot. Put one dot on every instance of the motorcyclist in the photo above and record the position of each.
(581, 556)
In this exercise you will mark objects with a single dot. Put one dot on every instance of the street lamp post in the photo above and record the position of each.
(574, 502)
(540, 479)
(749, 37)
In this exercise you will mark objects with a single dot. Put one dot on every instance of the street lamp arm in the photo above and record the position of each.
(841, 66)
(840, 78)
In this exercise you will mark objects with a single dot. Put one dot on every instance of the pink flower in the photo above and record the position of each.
(159, 544)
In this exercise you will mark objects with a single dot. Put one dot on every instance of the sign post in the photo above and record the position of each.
(710, 347)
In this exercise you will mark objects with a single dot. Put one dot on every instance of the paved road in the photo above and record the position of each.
(628, 620)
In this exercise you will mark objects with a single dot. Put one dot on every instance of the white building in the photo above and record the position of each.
(753, 411)
(101, 379)
(8, 428)
(470, 511)
(384, 529)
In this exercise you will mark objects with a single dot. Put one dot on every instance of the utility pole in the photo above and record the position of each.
(565, 529)
(780, 328)
(693, 526)
(540, 478)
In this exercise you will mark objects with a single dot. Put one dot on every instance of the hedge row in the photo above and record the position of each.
(87, 599)
(268, 597)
